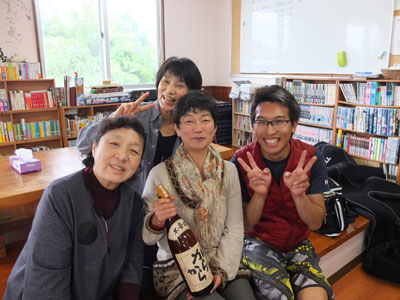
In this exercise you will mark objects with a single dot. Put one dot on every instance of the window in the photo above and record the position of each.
(118, 40)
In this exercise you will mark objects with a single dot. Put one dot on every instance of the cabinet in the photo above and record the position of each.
(30, 117)
(74, 118)
(361, 116)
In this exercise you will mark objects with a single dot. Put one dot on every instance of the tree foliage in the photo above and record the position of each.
(72, 43)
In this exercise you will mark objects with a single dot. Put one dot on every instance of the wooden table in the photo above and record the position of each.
(226, 152)
(17, 189)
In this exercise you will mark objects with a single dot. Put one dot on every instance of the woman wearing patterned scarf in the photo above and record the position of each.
(206, 194)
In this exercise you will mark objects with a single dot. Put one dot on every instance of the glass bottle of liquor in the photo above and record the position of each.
(187, 253)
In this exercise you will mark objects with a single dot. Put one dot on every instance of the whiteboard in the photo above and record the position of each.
(304, 36)
(17, 30)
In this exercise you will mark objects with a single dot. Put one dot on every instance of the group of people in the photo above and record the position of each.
(252, 216)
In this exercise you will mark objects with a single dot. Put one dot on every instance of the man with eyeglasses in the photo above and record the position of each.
(282, 181)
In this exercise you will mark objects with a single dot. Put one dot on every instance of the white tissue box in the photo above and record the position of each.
(23, 167)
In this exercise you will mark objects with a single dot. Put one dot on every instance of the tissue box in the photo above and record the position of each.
(23, 167)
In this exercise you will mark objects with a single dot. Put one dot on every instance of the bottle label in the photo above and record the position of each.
(176, 229)
(195, 268)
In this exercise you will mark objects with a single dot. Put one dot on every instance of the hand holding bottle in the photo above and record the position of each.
(189, 258)
(163, 208)
(217, 282)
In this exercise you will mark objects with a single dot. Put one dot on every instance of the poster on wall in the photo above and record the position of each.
(17, 30)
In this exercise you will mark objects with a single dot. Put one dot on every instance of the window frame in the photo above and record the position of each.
(105, 45)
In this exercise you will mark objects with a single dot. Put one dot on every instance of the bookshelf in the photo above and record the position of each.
(31, 118)
(362, 116)
(74, 118)
(242, 133)
(317, 100)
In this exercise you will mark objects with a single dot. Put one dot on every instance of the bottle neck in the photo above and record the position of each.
(172, 220)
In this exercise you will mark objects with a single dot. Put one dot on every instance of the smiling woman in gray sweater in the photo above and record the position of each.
(86, 241)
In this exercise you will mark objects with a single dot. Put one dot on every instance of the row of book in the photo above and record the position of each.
(243, 137)
(313, 135)
(6, 133)
(103, 98)
(36, 130)
(71, 99)
(21, 100)
(67, 93)
(243, 106)
(390, 171)
(75, 125)
(3, 100)
(244, 91)
(11, 70)
(380, 121)
(316, 115)
(372, 93)
(373, 148)
(316, 93)
(243, 122)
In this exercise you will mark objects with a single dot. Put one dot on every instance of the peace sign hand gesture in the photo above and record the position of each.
(132, 108)
(298, 181)
(259, 180)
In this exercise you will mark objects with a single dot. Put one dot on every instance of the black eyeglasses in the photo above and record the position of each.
(277, 124)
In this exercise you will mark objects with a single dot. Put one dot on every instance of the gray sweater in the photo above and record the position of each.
(70, 254)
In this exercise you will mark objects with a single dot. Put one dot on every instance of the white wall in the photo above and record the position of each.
(189, 32)
(198, 29)
(201, 30)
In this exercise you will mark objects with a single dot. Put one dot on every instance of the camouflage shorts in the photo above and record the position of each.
(281, 275)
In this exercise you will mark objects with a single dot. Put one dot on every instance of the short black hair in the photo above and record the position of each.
(108, 124)
(192, 101)
(183, 68)
(277, 94)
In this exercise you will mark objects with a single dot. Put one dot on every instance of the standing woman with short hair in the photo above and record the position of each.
(175, 78)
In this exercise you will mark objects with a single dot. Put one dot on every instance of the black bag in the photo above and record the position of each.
(379, 201)
(370, 195)
(337, 211)
(335, 221)
(383, 261)
(333, 155)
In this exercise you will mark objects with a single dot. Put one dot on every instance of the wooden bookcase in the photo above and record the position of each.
(73, 118)
(347, 127)
(14, 116)
(317, 100)
(322, 101)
